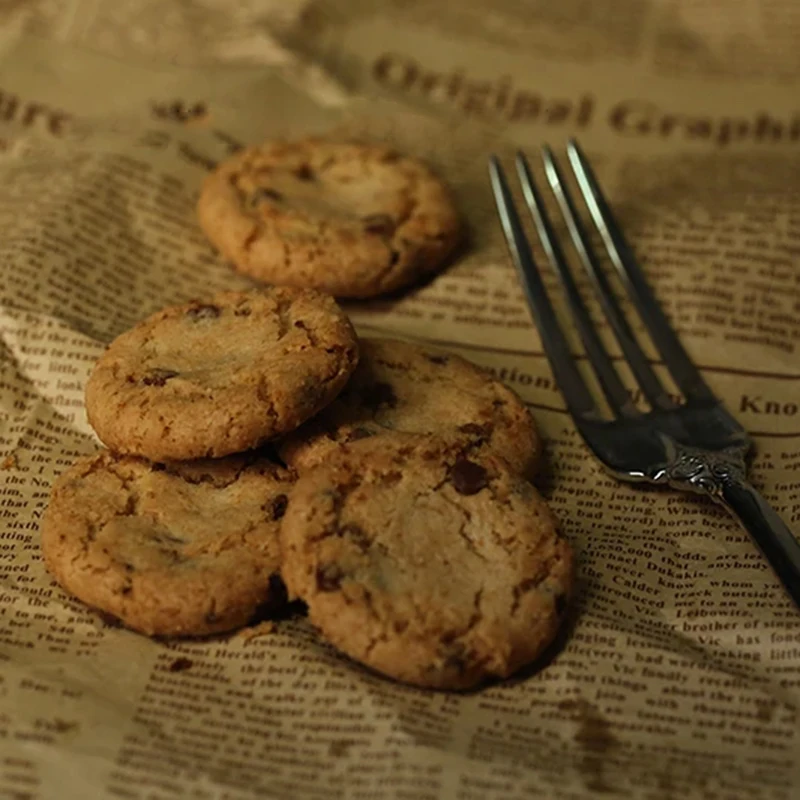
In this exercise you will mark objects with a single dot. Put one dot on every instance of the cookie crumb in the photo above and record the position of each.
(204, 311)
(261, 629)
(9, 462)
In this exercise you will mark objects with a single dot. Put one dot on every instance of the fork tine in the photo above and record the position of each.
(684, 372)
(618, 398)
(569, 380)
(643, 372)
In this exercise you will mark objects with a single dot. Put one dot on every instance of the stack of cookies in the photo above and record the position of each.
(169, 530)
(259, 452)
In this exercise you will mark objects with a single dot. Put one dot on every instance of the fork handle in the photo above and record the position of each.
(769, 531)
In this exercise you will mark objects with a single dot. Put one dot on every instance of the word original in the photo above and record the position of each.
(480, 98)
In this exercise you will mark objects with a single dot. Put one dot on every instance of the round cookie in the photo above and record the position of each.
(428, 567)
(205, 379)
(402, 387)
(353, 220)
(184, 549)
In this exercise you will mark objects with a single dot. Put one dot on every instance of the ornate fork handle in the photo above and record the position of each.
(722, 476)
(705, 471)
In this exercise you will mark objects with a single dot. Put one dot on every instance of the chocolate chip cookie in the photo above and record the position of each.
(429, 567)
(353, 220)
(205, 379)
(184, 549)
(402, 387)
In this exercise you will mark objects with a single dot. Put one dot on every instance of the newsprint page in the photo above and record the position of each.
(677, 674)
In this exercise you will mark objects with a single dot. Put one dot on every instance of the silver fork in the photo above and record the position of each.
(694, 446)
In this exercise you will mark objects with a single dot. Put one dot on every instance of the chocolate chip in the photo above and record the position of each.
(521, 588)
(262, 193)
(468, 477)
(329, 577)
(244, 311)
(561, 604)
(475, 429)
(380, 224)
(379, 394)
(357, 535)
(181, 665)
(437, 359)
(393, 477)
(278, 506)
(204, 311)
(455, 654)
(158, 377)
(455, 662)
(304, 173)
